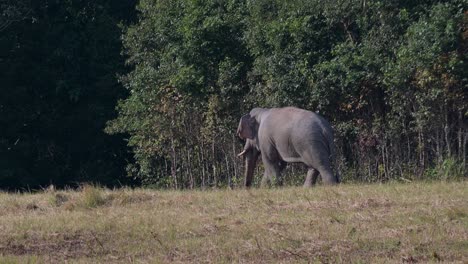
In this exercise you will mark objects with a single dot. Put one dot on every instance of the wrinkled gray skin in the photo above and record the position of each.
(283, 135)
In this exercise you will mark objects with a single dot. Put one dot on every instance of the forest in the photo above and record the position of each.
(150, 92)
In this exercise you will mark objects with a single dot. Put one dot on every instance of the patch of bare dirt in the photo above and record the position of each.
(55, 247)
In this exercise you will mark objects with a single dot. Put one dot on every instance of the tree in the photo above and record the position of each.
(186, 56)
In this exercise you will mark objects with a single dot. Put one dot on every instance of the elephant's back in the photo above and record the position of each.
(295, 118)
(304, 129)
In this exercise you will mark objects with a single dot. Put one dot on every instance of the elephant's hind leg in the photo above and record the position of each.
(318, 158)
(327, 176)
(311, 178)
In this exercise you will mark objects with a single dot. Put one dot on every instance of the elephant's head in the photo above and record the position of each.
(247, 130)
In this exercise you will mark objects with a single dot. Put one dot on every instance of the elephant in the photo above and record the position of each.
(287, 135)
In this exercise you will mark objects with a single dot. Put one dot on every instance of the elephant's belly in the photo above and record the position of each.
(289, 154)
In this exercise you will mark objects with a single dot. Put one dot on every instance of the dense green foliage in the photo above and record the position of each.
(391, 76)
(58, 62)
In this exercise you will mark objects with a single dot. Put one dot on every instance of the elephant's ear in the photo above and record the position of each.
(246, 127)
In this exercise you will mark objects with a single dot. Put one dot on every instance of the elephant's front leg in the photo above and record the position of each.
(311, 177)
(272, 169)
(266, 179)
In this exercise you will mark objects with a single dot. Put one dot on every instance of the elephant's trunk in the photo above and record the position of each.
(251, 157)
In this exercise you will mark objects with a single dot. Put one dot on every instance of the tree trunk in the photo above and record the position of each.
(464, 151)
(203, 165)
(174, 164)
(215, 176)
(460, 135)
(447, 135)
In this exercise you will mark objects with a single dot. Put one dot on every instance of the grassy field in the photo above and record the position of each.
(390, 223)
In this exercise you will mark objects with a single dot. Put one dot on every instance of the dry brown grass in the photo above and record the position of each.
(392, 223)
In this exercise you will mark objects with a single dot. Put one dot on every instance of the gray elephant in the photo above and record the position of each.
(283, 135)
